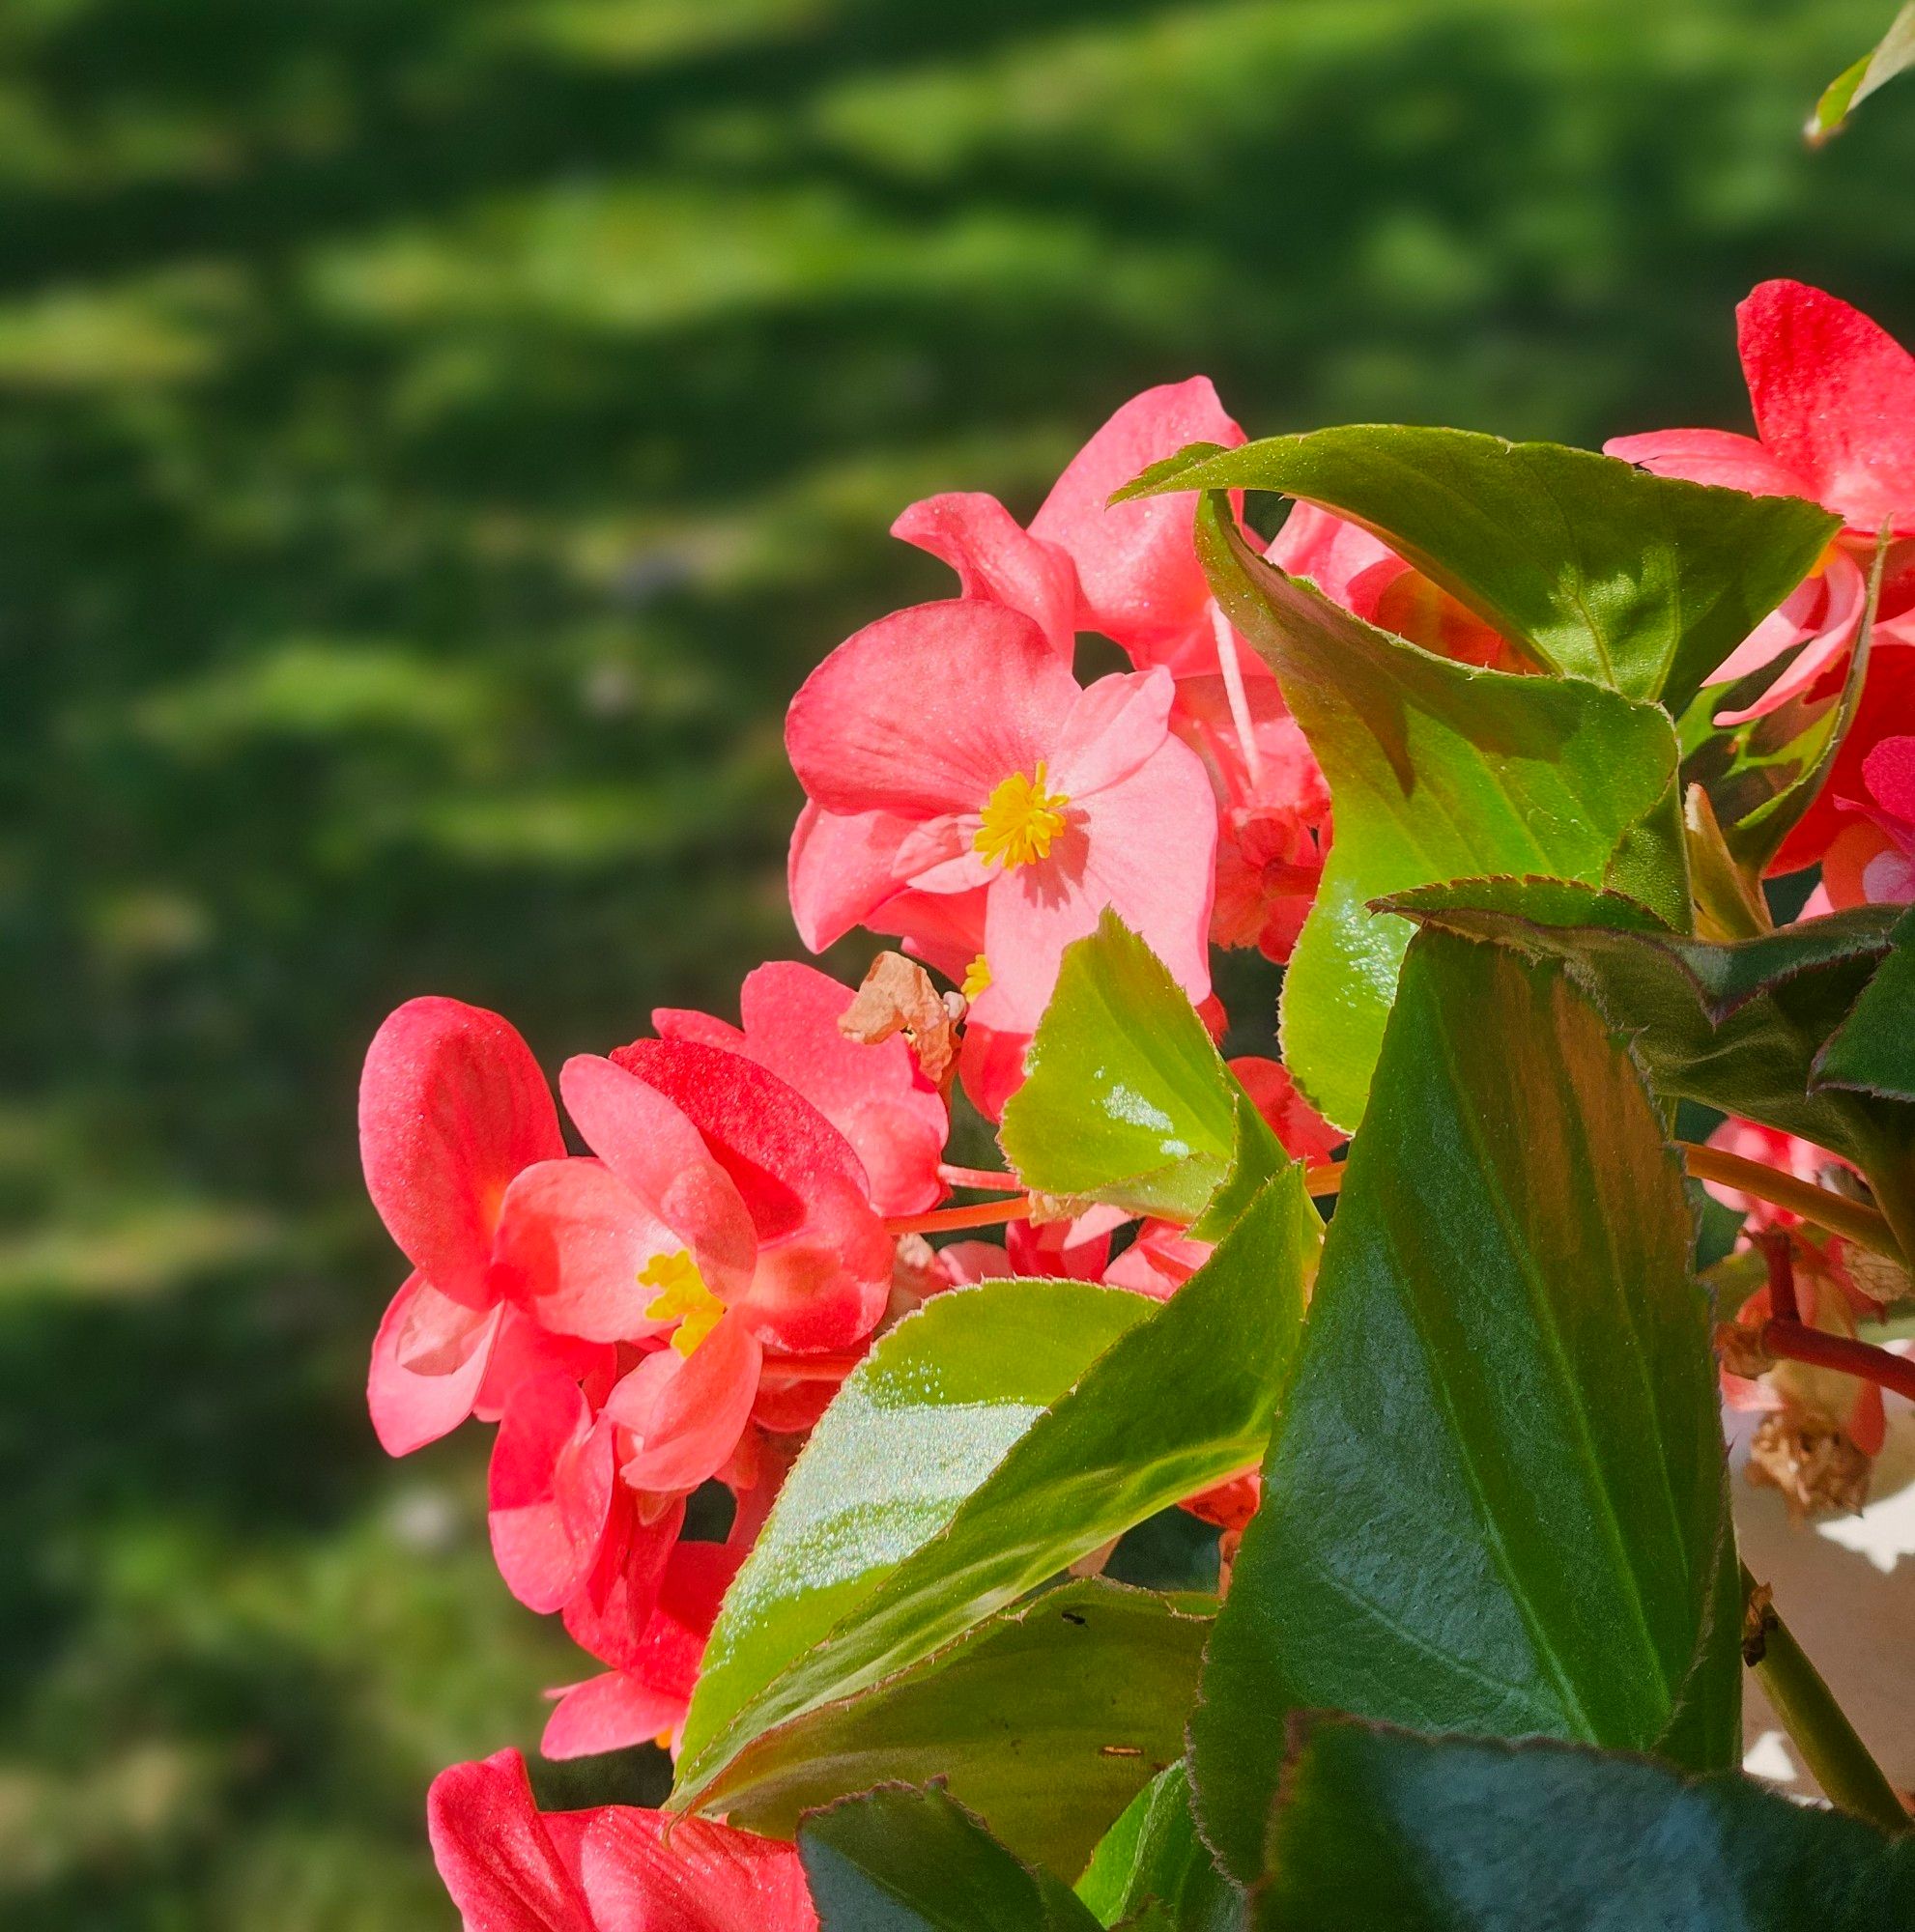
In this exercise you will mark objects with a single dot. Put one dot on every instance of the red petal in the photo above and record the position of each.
(548, 1491)
(611, 1616)
(495, 1854)
(451, 1106)
(687, 1411)
(706, 1878)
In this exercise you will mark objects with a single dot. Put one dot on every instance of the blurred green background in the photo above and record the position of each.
(436, 435)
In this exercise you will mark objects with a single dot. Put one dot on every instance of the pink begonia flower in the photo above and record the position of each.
(1834, 402)
(981, 775)
(549, 1491)
(1871, 861)
(510, 1867)
(892, 1117)
(452, 1108)
(655, 1668)
(1769, 1147)
(1127, 570)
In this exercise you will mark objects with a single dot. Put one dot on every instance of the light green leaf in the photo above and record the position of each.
(1430, 1835)
(1594, 567)
(903, 1861)
(1890, 56)
(1045, 1719)
(1495, 1501)
(1125, 1100)
(1153, 1859)
(987, 1442)
(1437, 771)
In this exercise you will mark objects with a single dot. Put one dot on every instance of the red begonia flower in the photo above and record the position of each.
(510, 1867)
(894, 1119)
(1872, 859)
(1886, 709)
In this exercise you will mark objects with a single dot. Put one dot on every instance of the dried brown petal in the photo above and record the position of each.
(898, 996)
(1740, 1344)
(1811, 1461)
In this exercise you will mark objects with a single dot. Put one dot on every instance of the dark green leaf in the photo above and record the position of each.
(1045, 1719)
(1595, 568)
(1872, 1052)
(1424, 1834)
(1437, 771)
(988, 1441)
(1495, 1501)
(1890, 56)
(1126, 1098)
(1736, 1026)
(1152, 1857)
(903, 1860)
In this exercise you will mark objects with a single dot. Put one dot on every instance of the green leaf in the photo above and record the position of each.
(1736, 1025)
(1437, 771)
(1890, 56)
(903, 1861)
(1595, 568)
(1426, 1834)
(1152, 1857)
(1495, 1501)
(1872, 1052)
(987, 1442)
(1126, 1098)
(1047, 1719)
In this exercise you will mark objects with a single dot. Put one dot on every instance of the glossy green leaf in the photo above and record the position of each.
(1737, 1026)
(1045, 1720)
(1495, 1501)
(1594, 568)
(1152, 1858)
(903, 1861)
(1872, 1052)
(1126, 1098)
(1437, 771)
(987, 1442)
(1382, 1828)
(1893, 54)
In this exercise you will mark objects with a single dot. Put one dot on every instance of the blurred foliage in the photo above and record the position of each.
(435, 437)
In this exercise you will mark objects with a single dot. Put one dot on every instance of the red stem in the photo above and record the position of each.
(1774, 1244)
(985, 1214)
(1796, 1342)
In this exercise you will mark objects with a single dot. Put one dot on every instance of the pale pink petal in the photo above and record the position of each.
(1826, 625)
(646, 1141)
(1139, 579)
(573, 1240)
(1834, 396)
(548, 1491)
(926, 710)
(496, 1856)
(451, 1106)
(410, 1406)
(1716, 456)
(1113, 727)
(843, 867)
(997, 559)
(609, 1713)
(1336, 554)
(1889, 879)
(686, 1412)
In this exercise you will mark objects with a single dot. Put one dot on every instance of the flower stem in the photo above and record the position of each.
(986, 1179)
(1835, 1212)
(983, 1215)
(1837, 1758)
(1797, 1342)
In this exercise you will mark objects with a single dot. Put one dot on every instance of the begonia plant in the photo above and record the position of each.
(1393, 1325)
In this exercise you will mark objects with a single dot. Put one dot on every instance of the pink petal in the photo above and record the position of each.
(1113, 727)
(926, 710)
(647, 1142)
(1716, 456)
(548, 1491)
(1834, 396)
(1158, 1262)
(495, 1854)
(945, 930)
(842, 869)
(997, 559)
(1823, 616)
(613, 1613)
(1139, 579)
(704, 1878)
(573, 1240)
(451, 1106)
(990, 1065)
(1077, 1249)
(607, 1714)
(524, 1349)
(413, 1406)
(1334, 554)
(686, 1412)
(1889, 773)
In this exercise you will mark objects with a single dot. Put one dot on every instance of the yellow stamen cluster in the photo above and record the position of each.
(977, 976)
(1019, 820)
(683, 1296)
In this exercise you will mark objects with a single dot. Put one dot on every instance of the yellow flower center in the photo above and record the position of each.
(1019, 820)
(683, 1297)
(977, 976)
